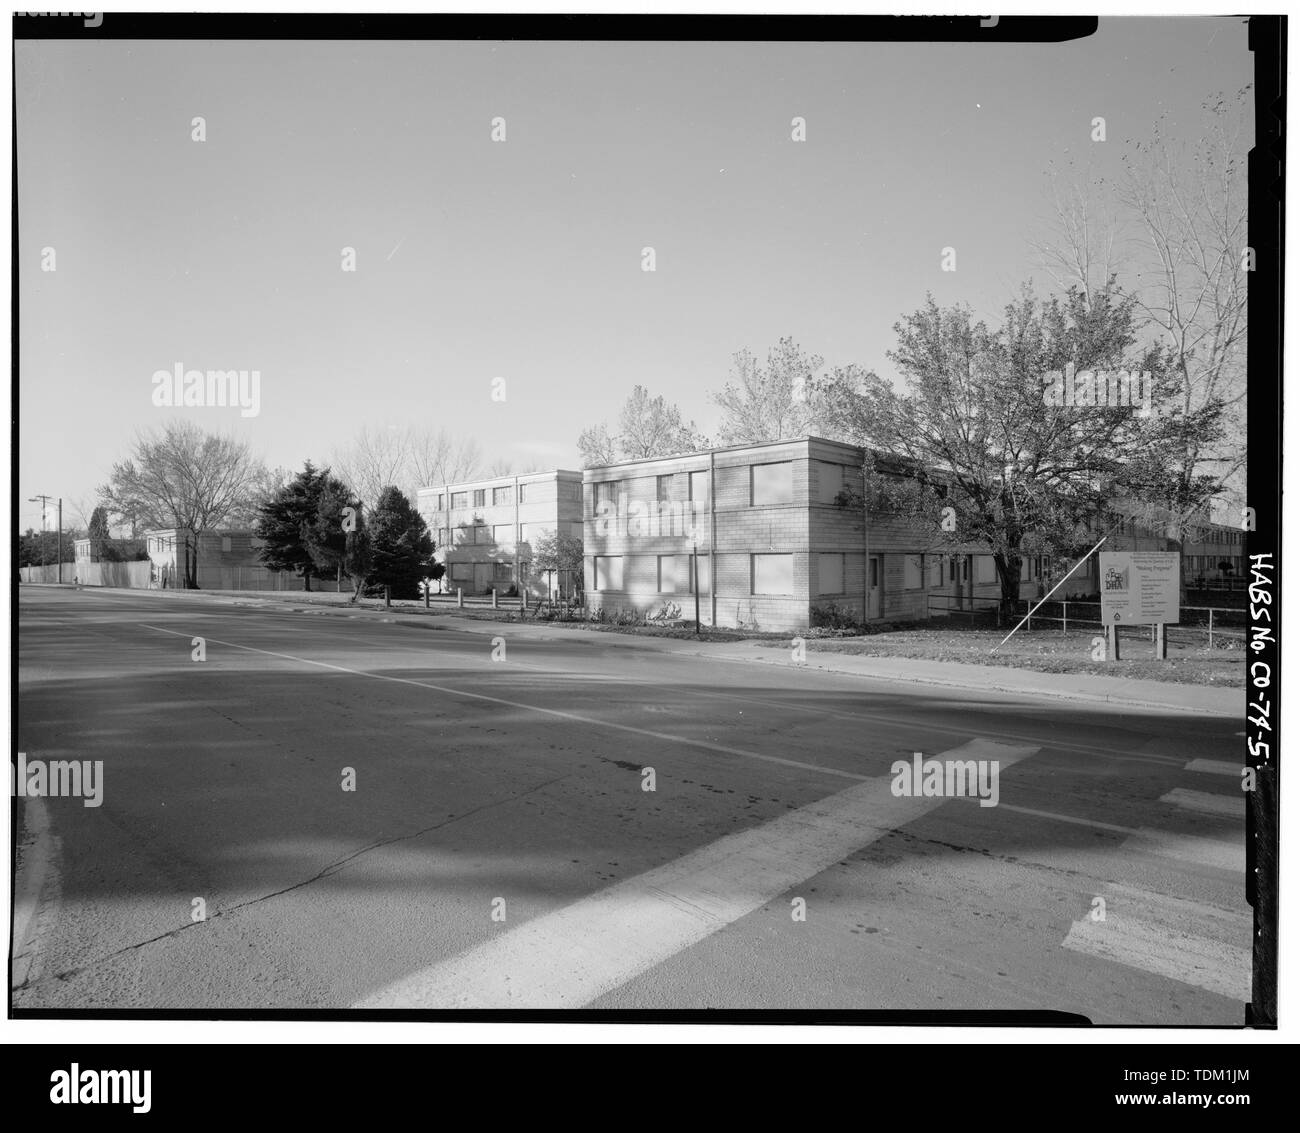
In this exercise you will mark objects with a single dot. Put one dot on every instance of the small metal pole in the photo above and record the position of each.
(1211, 629)
(428, 585)
(1162, 643)
(1065, 609)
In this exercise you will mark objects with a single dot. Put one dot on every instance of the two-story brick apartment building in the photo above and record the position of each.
(484, 530)
(776, 541)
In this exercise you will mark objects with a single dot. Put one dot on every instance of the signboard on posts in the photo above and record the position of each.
(1139, 587)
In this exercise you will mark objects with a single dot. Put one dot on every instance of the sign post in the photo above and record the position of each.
(1138, 588)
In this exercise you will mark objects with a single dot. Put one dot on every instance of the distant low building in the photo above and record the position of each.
(227, 560)
(486, 530)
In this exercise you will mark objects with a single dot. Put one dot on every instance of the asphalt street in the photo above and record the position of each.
(500, 847)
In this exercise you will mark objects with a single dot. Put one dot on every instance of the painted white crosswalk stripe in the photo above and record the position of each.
(1215, 853)
(1215, 767)
(1184, 940)
(574, 955)
(1229, 806)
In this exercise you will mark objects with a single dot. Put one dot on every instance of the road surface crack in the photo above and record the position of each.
(328, 871)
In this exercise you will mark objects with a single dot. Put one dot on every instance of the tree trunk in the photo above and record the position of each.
(1008, 568)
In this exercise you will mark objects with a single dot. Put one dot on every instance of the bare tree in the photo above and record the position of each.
(376, 458)
(1084, 245)
(441, 458)
(179, 476)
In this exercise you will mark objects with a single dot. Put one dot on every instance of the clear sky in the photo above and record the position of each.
(522, 259)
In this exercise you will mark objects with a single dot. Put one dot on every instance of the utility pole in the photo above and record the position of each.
(44, 502)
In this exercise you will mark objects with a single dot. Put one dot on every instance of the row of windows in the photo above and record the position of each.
(500, 534)
(769, 574)
(568, 490)
(770, 485)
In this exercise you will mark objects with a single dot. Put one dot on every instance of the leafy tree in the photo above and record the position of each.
(973, 432)
(553, 550)
(285, 518)
(400, 545)
(648, 427)
(772, 401)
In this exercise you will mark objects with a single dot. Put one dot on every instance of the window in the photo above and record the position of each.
(462, 572)
(830, 574)
(670, 571)
(607, 492)
(771, 574)
(441, 502)
(699, 486)
(913, 572)
(501, 572)
(697, 567)
(501, 496)
(663, 488)
(531, 532)
(832, 479)
(503, 534)
(459, 499)
(936, 570)
(609, 572)
(225, 543)
(771, 483)
(875, 572)
(480, 497)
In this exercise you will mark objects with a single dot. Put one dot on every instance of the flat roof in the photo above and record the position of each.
(499, 481)
(726, 448)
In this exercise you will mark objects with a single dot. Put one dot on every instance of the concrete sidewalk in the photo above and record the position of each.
(1120, 691)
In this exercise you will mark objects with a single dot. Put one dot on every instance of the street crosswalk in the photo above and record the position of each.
(1203, 940)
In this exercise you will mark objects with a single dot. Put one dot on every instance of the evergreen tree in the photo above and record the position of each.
(288, 521)
(400, 544)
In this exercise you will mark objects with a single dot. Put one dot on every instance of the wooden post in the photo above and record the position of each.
(494, 597)
(428, 585)
(460, 598)
(1162, 644)
(1112, 642)
(1065, 607)
(1211, 629)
